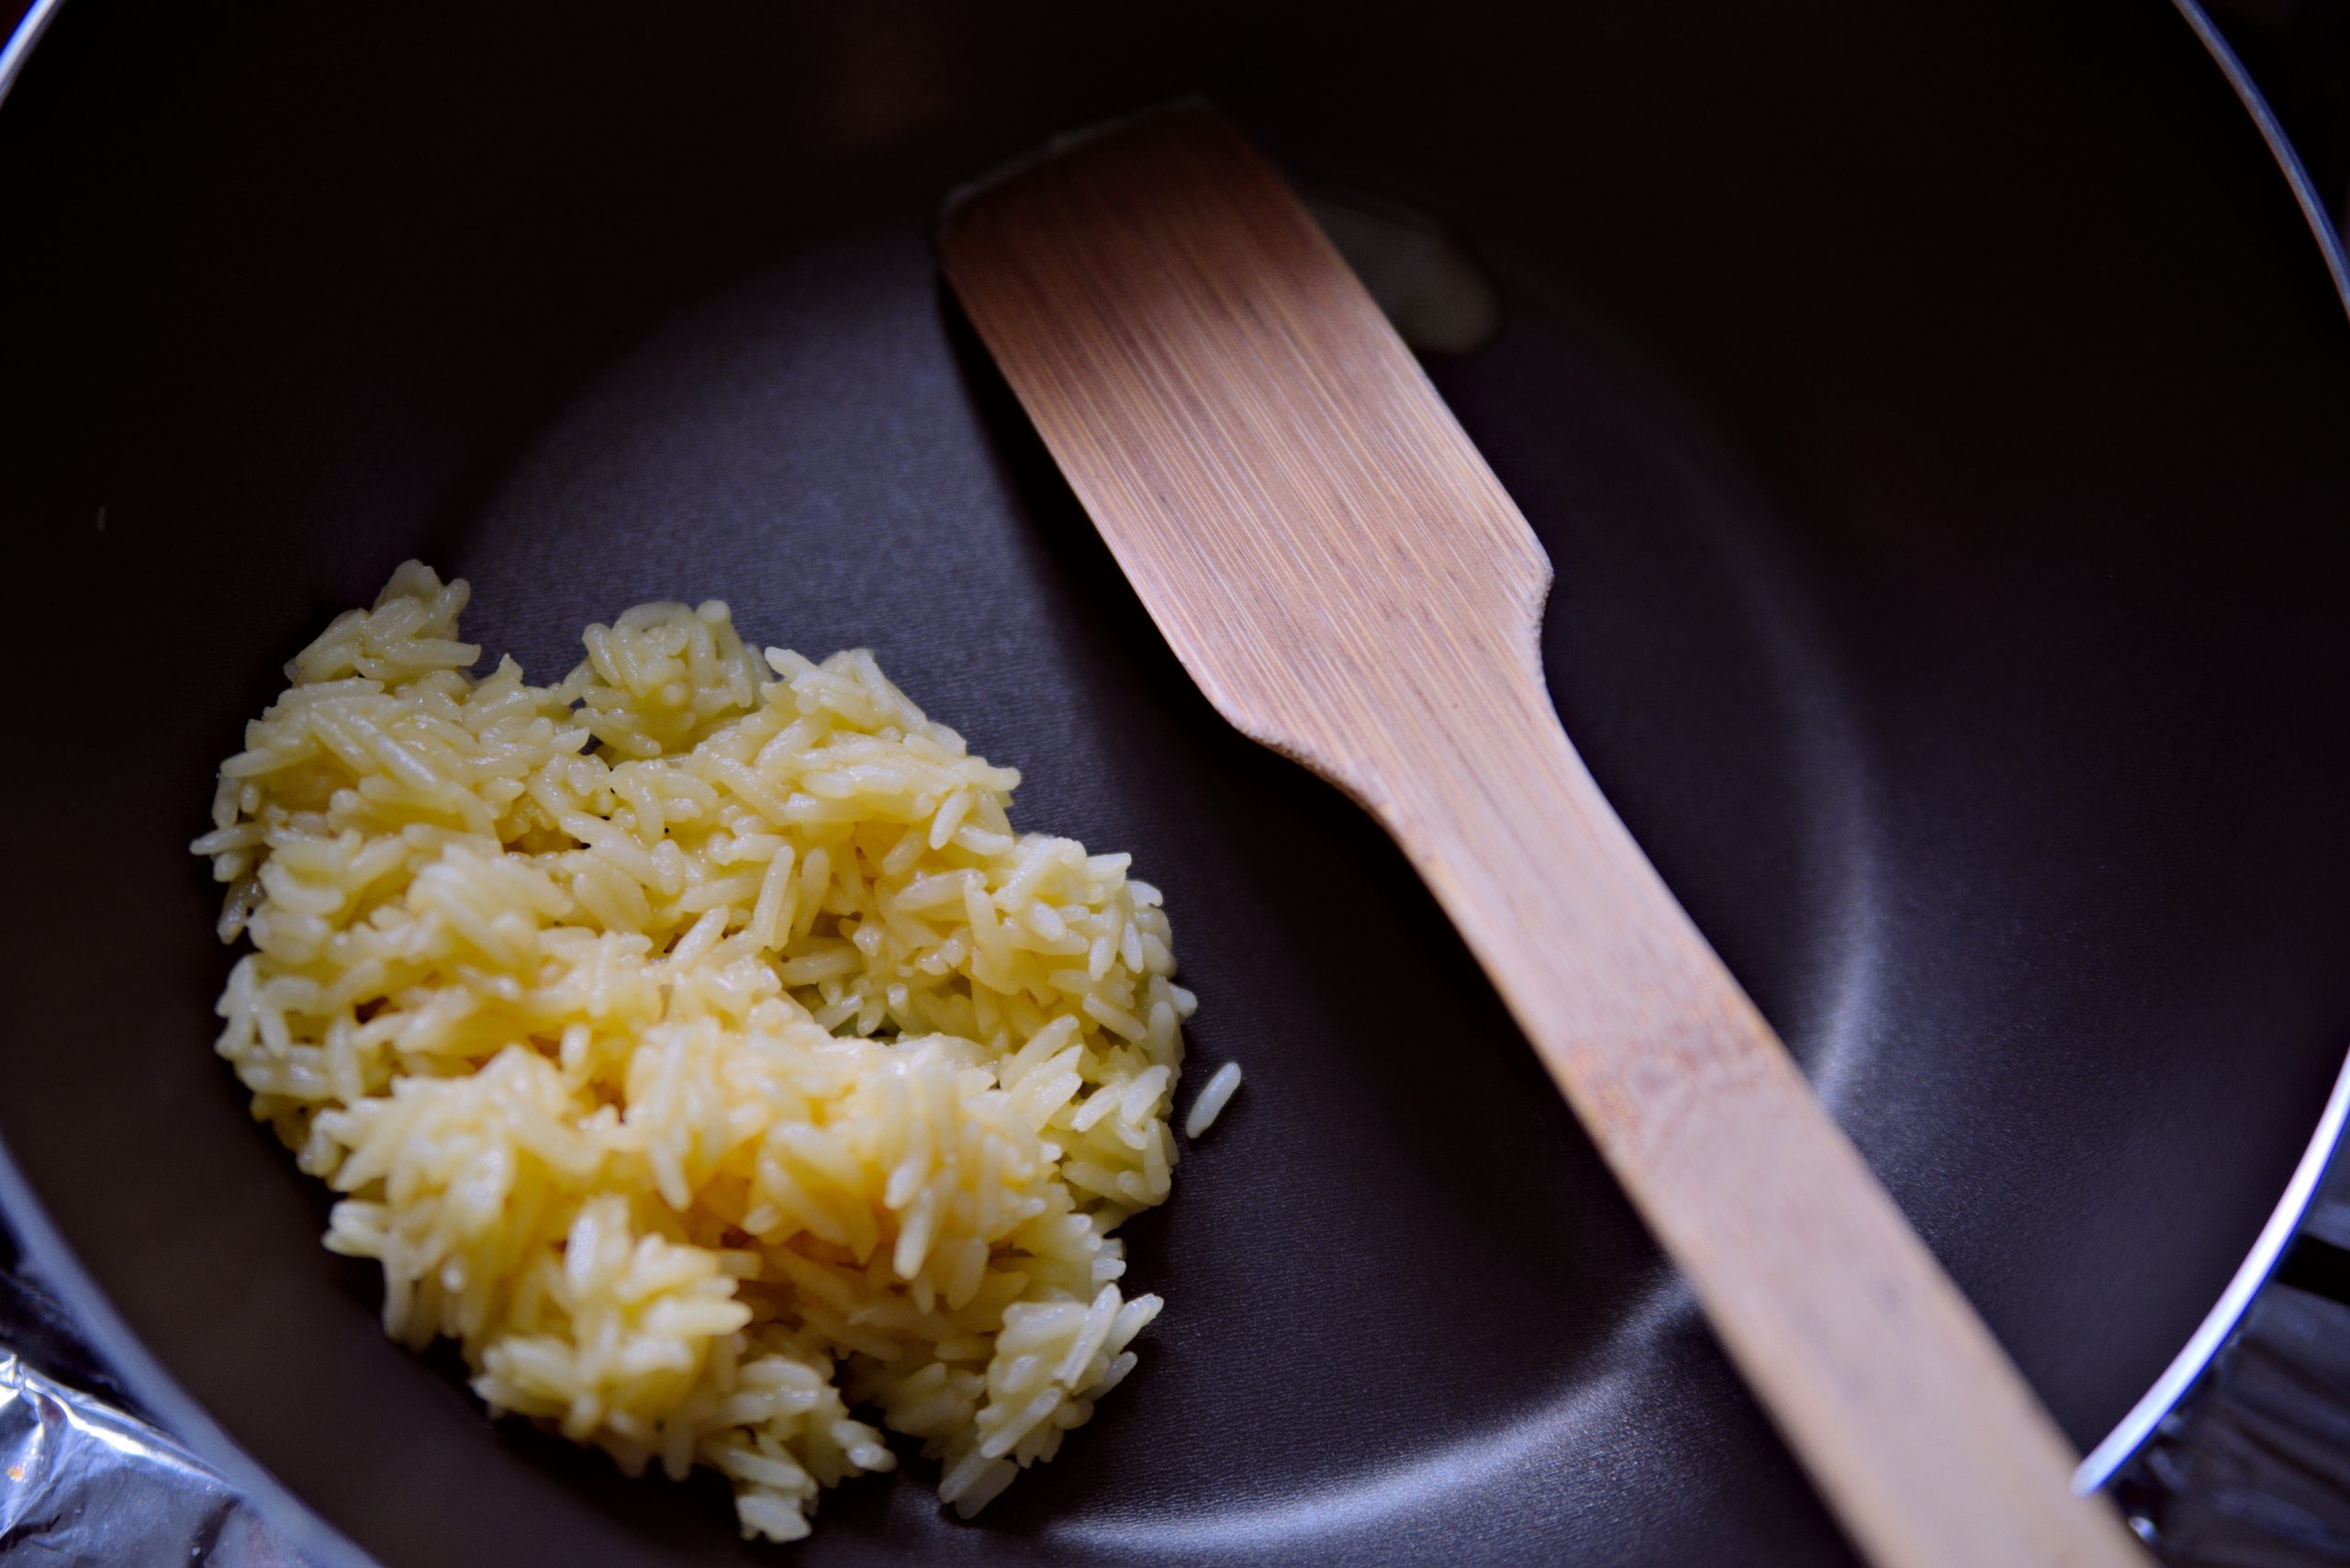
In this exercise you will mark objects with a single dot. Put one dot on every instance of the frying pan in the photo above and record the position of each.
(1937, 415)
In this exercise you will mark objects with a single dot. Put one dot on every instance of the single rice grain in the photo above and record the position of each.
(1213, 1096)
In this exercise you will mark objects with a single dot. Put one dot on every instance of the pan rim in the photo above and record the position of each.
(23, 40)
(2188, 1370)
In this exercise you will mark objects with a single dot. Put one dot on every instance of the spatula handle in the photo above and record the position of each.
(1348, 582)
(1881, 1376)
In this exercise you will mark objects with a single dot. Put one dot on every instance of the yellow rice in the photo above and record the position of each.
(696, 1045)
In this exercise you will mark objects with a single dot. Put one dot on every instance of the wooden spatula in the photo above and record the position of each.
(1350, 586)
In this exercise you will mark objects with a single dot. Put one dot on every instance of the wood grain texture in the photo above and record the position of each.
(1351, 584)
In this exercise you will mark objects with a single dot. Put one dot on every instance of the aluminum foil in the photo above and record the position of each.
(83, 1483)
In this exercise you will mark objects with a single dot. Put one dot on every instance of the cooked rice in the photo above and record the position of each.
(699, 1046)
(1215, 1095)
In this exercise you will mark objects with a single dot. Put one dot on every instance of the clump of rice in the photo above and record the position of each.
(696, 1045)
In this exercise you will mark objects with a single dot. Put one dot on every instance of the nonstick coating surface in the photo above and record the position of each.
(1937, 419)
